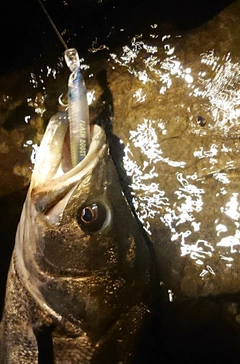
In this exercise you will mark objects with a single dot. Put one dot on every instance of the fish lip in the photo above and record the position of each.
(44, 196)
(54, 156)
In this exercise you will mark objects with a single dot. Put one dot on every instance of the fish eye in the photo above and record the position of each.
(92, 217)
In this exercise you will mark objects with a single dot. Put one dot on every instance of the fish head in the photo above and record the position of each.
(80, 249)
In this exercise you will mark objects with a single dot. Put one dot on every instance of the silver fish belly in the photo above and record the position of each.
(80, 267)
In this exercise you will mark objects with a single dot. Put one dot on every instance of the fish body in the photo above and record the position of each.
(80, 273)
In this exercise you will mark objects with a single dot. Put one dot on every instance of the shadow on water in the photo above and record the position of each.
(14, 117)
(105, 119)
(193, 331)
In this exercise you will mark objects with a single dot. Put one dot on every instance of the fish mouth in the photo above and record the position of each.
(54, 180)
(54, 175)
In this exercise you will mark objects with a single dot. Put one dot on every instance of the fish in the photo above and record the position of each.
(80, 281)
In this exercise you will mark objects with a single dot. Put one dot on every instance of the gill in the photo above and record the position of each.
(78, 112)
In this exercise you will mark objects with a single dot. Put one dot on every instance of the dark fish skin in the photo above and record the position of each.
(81, 268)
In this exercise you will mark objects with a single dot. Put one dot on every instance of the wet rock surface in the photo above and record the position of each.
(180, 128)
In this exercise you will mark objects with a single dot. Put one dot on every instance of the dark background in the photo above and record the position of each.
(25, 31)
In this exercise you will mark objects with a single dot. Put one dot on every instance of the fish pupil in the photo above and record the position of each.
(92, 217)
(89, 213)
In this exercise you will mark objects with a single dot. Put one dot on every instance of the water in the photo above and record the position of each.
(169, 101)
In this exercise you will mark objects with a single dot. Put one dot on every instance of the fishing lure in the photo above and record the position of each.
(78, 113)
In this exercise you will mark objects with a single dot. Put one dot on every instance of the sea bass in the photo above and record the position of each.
(80, 277)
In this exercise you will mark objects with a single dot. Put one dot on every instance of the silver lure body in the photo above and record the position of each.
(78, 112)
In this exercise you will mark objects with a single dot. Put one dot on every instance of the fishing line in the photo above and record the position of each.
(78, 113)
(53, 25)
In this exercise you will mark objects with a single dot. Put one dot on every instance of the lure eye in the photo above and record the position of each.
(92, 218)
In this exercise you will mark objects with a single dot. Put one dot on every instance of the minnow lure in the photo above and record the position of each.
(78, 113)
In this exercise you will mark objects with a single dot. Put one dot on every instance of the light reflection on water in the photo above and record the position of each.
(203, 180)
(185, 207)
(222, 91)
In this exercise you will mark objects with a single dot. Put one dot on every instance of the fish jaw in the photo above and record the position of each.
(81, 268)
